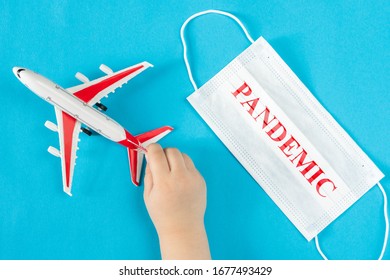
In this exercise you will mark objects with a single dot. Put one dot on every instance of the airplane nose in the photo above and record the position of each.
(17, 71)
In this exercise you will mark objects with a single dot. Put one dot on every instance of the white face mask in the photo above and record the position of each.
(284, 138)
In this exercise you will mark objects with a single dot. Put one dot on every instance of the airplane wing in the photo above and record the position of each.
(92, 91)
(68, 131)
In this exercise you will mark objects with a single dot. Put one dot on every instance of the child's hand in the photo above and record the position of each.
(175, 196)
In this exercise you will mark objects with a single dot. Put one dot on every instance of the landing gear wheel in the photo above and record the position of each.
(101, 106)
(86, 131)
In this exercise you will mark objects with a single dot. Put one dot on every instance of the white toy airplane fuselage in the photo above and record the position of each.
(73, 107)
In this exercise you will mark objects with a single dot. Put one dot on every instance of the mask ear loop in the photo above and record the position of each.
(185, 45)
(386, 227)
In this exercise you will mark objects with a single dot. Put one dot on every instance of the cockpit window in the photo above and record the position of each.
(20, 70)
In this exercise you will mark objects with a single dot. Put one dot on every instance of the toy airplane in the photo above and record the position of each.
(74, 106)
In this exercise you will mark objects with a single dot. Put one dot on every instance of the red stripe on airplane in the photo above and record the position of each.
(68, 129)
(133, 157)
(90, 92)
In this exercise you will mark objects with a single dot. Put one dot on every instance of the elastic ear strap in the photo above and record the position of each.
(185, 45)
(386, 227)
(386, 221)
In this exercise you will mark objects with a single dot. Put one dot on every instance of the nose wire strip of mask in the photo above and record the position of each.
(183, 41)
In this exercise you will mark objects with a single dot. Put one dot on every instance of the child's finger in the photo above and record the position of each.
(157, 161)
(148, 180)
(188, 162)
(175, 159)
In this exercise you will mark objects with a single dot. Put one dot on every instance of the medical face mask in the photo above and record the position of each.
(302, 158)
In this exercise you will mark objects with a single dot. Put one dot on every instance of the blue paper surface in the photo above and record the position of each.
(339, 50)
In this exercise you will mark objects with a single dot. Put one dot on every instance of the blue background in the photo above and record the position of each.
(339, 49)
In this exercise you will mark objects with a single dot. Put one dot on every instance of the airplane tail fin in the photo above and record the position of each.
(136, 156)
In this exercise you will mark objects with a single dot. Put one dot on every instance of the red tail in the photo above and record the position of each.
(136, 156)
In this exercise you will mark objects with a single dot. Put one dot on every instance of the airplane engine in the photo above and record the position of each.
(106, 69)
(81, 77)
(51, 126)
(55, 152)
